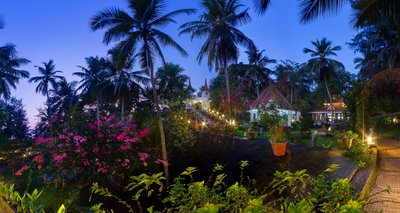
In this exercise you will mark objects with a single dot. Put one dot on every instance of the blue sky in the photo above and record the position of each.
(59, 30)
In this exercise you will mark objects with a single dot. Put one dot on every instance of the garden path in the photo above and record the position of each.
(388, 175)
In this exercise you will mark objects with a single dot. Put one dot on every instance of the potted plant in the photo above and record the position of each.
(347, 138)
(277, 139)
(251, 130)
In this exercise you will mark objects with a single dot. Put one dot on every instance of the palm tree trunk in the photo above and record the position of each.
(159, 119)
(122, 107)
(49, 110)
(329, 95)
(228, 92)
(97, 109)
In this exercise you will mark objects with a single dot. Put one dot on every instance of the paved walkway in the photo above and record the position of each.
(388, 175)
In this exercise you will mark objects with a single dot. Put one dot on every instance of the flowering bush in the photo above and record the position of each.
(105, 147)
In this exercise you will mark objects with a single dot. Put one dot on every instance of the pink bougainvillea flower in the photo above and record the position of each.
(86, 162)
(144, 132)
(64, 155)
(97, 123)
(21, 170)
(39, 166)
(38, 158)
(112, 117)
(100, 135)
(163, 162)
(121, 136)
(41, 140)
(58, 158)
(77, 151)
(103, 170)
(143, 156)
(145, 163)
(95, 149)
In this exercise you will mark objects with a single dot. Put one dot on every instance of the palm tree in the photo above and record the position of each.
(140, 29)
(321, 64)
(258, 72)
(123, 80)
(172, 83)
(48, 78)
(9, 72)
(2, 22)
(92, 79)
(287, 76)
(366, 11)
(65, 97)
(261, 5)
(218, 24)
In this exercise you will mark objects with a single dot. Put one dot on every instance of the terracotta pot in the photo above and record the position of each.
(250, 135)
(279, 149)
(347, 142)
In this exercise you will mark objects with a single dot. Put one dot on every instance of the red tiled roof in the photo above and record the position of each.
(272, 94)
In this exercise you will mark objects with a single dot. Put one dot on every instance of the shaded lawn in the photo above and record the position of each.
(323, 141)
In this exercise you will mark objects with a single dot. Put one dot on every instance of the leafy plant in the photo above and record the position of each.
(277, 133)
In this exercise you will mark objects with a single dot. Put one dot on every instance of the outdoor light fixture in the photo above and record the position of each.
(371, 137)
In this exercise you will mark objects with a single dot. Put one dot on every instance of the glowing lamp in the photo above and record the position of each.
(371, 137)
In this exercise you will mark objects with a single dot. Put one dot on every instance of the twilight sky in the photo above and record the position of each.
(59, 30)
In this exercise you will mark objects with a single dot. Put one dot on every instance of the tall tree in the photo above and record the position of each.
(65, 97)
(15, 122)
(258, 72)
(124, 81)
(47, 80)
(288, 77)
(93, 78)
(141, 27)
(320, 62)
(218, 24)
(171, 83)
(9, 72)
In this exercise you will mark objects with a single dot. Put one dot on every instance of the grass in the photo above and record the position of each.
(322, 140)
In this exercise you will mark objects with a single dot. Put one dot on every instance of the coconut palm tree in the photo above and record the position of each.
(123, 80)
(47, 80)
(258, 72)
(139, 30)
(93, 78)
(65, 97)
(321, 64)
(367, 12)
(9, 72)
(2, 22)
(218, 24)
(288, 77)
(172, 83)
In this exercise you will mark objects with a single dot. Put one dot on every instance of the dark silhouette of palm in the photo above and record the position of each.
(2, 22)
(139, 31)
(123, 80)
(258, 72)
(321, 64)
(65, 97)
(93, 78)
(47, 80)
(9, 72)
(218, 24)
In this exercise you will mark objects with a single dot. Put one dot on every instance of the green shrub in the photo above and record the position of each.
(360, 153)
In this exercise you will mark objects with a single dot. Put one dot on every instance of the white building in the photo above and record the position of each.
(203, 98)
(271, 95)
